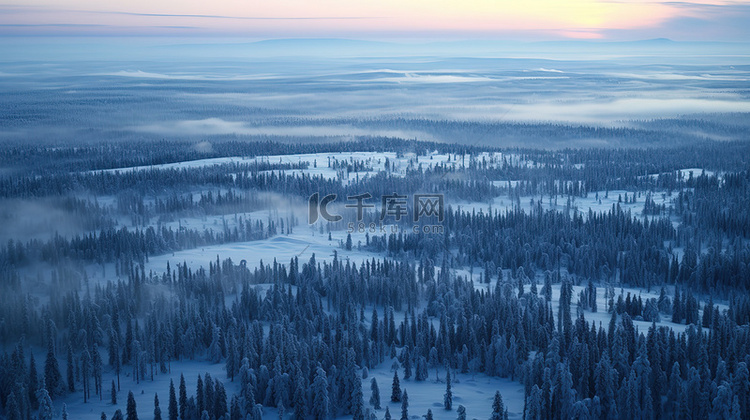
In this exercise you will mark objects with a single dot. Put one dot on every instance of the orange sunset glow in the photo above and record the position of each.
(491, 18)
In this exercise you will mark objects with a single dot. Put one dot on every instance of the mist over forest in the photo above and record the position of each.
(224, 229)
(548, 95)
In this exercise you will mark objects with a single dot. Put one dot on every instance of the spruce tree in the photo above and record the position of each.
(534, 404)
(71, 370)
(461, 412)
(97, 372)
(404, 406)
(52, 375)
(357, 402)
(85, 373)
(172, 408)
(320, 395)
(157, 409)
(209, 394)
(183, 397)
(199, 395)
(32, 385)
(300, 398)
(12, 410)
(131, 411)
(396, 388)
(448, 396)
(220, 407)
(498, 408)
(375, 397)
(45, 404)
(234, 409)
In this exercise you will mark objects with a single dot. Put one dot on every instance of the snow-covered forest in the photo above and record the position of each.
(158, 280)
(200, 238)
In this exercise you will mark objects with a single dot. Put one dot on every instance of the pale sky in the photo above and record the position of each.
(499, 19)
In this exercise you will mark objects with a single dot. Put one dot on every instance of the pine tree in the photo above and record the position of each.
(629, 396)
(547, 287)
(741, 387)
(64, 412)
(97, 372)
(113, 394)
(52, 375)
(434, 361)
(448, 396)
(580, 410)
(722, 405)
(428, 416)
(172, 408)
(257, 413)
(677, 314)
(209, 399)
(157, 409)
(406, 357)
(605, 378)
(232, 356)
(357, 401)
(300, 398)
(131, 411)
(461, 412)
(534, 404)
(45, 404)
(220, 400)
(404, 406)
(234, 409)
(214, 350)
(114, 349)
(396, 388)
(387, 413)
(12, 410)
(684, 407)
(498, 408)
(320, 395)
(118, 415)
(183, 397)
(375, 397)
(71, 370)
(199, 395)
(32, 385)
(85, 373)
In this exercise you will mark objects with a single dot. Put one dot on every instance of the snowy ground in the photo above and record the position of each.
(144, 391)
(475, 392)
(302, 243)
(323, 164)
(597, 202)
(687, 172)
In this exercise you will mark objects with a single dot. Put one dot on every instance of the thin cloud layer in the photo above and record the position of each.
(535, 19)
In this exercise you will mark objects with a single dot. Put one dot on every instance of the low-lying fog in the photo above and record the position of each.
(52, 90)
